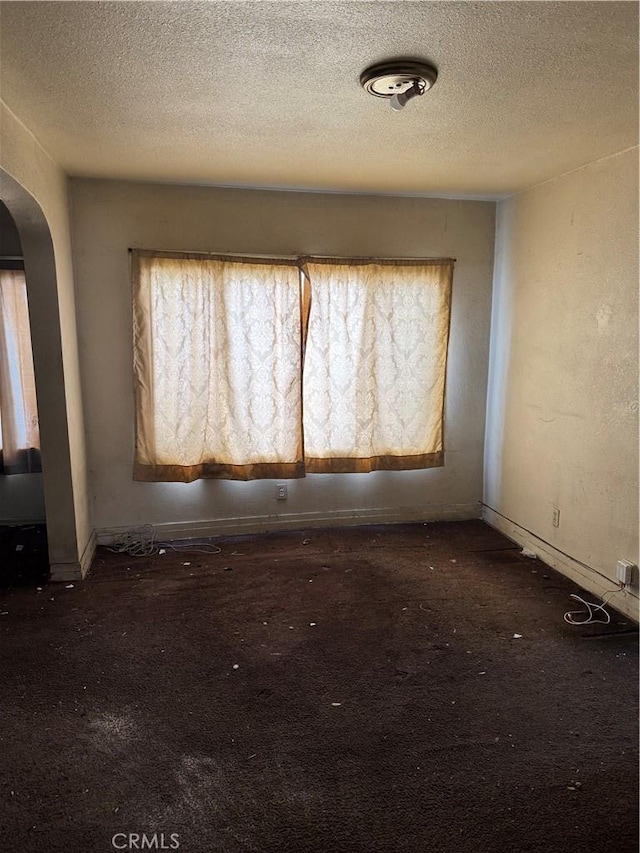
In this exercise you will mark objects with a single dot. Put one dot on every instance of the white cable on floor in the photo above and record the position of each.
(136, 543)
(142, 542)
(592, 607)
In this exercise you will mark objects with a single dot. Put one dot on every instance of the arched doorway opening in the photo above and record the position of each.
(37, 248)
(23, 539)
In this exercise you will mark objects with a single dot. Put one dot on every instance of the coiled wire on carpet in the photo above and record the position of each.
(591, 609)
(142, 542)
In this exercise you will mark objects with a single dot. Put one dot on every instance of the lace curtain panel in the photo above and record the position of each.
(375, 365)
(222, 384)
(19, 431)
(217, 365)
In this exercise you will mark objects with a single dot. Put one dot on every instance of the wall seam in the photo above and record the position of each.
(33, 137)
(568, 172)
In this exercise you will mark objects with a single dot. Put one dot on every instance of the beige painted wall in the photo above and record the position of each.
(562, 417)
(109, 217)
(9, 237)
(34, 189)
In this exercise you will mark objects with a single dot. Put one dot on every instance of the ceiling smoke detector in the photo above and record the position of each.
(399, 80)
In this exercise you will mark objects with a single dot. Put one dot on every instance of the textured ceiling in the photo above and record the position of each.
(266, 93)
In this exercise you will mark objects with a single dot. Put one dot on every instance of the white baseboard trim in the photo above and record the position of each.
(75, 570)
(627, 602)
(301, 520)
(88, 554)
(65, 572)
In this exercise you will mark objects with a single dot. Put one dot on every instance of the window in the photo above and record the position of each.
(19, 431)
(374, 368)
(217, 363)
(223, 388)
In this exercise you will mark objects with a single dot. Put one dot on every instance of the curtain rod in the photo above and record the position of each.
(11, 258)
(214, 254)
(299, 257)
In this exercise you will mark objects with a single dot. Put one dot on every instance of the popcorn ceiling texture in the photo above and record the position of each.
(267, 94)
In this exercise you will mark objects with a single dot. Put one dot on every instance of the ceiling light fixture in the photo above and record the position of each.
(399, 80)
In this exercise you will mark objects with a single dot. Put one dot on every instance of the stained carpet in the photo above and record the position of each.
(387, 689)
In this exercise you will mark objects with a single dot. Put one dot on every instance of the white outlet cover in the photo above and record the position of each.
(624, 572)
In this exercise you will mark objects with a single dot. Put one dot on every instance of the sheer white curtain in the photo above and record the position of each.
(217, 367)
(375, 364)
(19, 431)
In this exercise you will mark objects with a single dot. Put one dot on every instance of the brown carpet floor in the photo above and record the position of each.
(346, 691)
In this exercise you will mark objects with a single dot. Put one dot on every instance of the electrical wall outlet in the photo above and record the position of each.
(624, 572)
(281, 492)
(555, 517)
